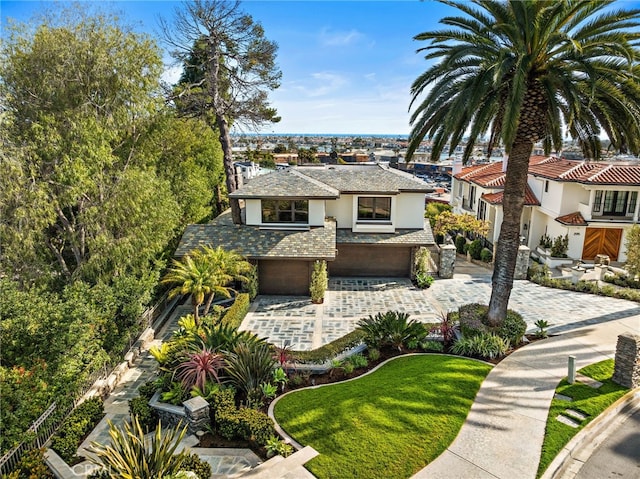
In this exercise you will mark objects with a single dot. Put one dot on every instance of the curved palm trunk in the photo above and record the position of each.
(196, 312)
(509, 239)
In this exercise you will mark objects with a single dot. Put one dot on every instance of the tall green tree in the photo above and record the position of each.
(229, 68)
(522, 70)
(78, 91)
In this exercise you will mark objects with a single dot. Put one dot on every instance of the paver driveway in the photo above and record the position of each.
(308, 326)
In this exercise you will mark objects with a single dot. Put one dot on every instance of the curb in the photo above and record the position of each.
(573, 455)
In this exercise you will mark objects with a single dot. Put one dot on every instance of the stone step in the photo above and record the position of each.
(575, 414)
(567, 420)
(588, 381)
(562, 397)
(284, 467)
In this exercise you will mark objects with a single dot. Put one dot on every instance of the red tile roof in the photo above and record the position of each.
(572, 219)
(496, 198)
(558, 169)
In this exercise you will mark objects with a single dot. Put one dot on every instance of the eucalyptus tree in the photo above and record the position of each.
(523, 71)
(229, 68)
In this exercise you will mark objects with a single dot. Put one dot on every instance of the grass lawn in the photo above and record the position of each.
(586, 400)
(390, 423)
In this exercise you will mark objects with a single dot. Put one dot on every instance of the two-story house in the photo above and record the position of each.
(364, 220)
(594, 203)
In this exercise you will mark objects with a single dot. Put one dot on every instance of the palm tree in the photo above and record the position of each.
(227, 267)
(192, 275)
(522, 70)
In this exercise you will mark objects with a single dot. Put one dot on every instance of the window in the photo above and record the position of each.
(597, 202)
(374, 208)
(616, 202)
(546, 186)
(284, 211)
(633, 200)
(472, 197)
(482, 210)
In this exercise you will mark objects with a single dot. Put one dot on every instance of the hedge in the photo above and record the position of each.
(237, 311)
(76, 427)
(331, 350)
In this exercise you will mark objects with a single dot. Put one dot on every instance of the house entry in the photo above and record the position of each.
(602, 241)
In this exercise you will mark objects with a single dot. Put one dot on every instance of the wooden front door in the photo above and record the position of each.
(602, 241)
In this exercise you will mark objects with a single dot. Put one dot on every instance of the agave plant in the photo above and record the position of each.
(200, 367)
(249, 365)
(131, 456)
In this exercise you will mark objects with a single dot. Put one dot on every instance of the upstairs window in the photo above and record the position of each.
(374, 208)
(597, 202)
(285, 211)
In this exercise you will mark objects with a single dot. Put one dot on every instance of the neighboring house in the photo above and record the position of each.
(364, 220)
(248, 169)
(594, 203)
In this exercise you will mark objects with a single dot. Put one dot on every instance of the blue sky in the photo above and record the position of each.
(347, 65)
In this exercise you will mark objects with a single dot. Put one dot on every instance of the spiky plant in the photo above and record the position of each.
(200, 367)
(131, 456)
(249, 365)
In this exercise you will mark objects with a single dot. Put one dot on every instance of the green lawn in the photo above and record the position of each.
(388, 424)
(586, 400)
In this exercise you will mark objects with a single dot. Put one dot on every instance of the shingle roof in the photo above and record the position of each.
(287, 183)
(254, 242)
(400, 237)
(572, 219)
(329, 181)
(496, 198)
(367, 179)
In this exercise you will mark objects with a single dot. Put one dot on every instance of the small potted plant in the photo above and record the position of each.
(319, 281)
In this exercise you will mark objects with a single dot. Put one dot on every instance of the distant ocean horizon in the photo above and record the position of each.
(336, 135)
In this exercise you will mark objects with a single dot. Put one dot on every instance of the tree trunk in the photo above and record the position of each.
(509, 239)
(208, 304)
(229, 169)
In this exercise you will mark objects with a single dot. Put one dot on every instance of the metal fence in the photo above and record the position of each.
(43, 428)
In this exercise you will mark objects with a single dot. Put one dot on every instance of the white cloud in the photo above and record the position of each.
(171, 74)
(321, 84)
(339, 39)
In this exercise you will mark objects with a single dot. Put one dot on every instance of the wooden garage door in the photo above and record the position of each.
(284, 277)
(369, 260)
(602, 241)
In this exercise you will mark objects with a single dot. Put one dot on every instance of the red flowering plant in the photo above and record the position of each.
(200, 367)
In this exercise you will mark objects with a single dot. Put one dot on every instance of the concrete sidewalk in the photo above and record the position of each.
(502, 436)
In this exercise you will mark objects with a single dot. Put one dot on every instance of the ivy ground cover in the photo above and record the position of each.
(390, 423)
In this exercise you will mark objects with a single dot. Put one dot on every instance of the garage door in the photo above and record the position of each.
(602, 241)
(368, 260)
(284, 277)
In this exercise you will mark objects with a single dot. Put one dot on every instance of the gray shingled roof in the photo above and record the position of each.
(254, 242)
(400, 237)
(284, 184)
(366, 179)
(327, 182)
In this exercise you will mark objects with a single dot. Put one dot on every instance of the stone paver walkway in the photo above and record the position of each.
(308, 326)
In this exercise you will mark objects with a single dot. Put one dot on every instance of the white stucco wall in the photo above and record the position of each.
(409, 210)
(253, 212)
(340, 209)
(316, 212)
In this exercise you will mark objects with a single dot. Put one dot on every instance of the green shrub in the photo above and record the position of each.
(432, 346)
(148, 417)
(473, 322)
(31, 465)
(251, 285)
(76, 427)
(392, 328)
(193, 463)
(358, 361)
(560, 246)
(222, 402)
(237, 311)
(475, 248)
(488, 346)
(246, 423)
(330, 350)
(460, 242)
(148, 389)
(373, 353)
(319, 281)
(276, 447)
(424, 280)
(486, 255)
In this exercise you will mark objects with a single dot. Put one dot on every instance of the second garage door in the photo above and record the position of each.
(366, 260)
(284, 277)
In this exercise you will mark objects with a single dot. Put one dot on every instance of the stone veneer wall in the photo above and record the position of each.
(627, 361)
(194, 413)
(447, 261)
(522, 262)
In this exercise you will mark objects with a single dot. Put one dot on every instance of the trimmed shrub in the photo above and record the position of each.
(246, 423)
(31, 465)
(424, 280)
(147, 416)
(237, 311)
(460, 242)
(330, 350)
(488, 346)
(473, 323)
(432, 346)
(76, 427)
(475, 249)
(222, 402)
(486, 255)
(200, 468)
